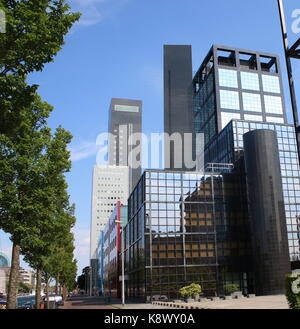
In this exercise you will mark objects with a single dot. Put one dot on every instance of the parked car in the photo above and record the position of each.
(2, 304)
(55, 298)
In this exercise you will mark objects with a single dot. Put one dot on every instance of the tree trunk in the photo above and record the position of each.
(38, 289)
(13, 278)
(64, 293)
(47, 291)
(56, 284)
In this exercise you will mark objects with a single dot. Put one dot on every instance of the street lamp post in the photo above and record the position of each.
(91, 277)
(290, 52)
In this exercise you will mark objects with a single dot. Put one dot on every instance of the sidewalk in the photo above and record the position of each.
(136, 306)
(265, 302)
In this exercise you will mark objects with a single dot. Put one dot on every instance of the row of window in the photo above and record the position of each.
(226, 117)
(249, 81)
(251, 102)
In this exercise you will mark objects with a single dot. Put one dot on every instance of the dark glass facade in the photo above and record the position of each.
(246, 87)
(177, 97)
(234, 83)
(228, 146)
(266, 212)
(185, 228)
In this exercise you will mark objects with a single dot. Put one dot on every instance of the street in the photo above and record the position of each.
(86, 302)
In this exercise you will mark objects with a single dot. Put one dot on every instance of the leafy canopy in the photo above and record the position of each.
(35, 31)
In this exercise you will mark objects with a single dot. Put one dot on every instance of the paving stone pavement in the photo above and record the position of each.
(265, 302)
(142, 307)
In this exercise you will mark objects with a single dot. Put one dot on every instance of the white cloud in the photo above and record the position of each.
(83, 150)
(94, 11)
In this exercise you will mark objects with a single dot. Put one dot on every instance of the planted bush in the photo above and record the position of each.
(192, 290)
(293, 291)
(230, 288)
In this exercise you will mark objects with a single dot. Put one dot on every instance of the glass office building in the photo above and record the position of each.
(228, 147)
(187, 228)
(236, 91)
(241, 84)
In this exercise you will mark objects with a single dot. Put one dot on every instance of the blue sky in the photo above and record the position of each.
(116, 50)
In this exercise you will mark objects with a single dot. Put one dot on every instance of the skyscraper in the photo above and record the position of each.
(241, 84)
(110, 184)
(125, 119)
(177, 98)
(237, 91)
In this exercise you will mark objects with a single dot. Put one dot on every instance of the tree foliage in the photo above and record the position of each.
(230, 288)
(192, 290)
(35, 31)
(292, 284)
(34, 203)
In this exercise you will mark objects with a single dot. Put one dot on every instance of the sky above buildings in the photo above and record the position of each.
(116, 50)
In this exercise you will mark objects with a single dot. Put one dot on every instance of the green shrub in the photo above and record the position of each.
(231, 288)
(190, 291)
(292, 297)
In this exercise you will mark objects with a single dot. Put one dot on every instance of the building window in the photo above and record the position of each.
(227, 117)
(273, 104)
(271, 84)
(275, 119)
(229, 100)
(250, 81)
(251, 117)
(228, 78)
(252, 102)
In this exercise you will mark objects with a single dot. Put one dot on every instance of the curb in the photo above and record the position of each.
(176, 305)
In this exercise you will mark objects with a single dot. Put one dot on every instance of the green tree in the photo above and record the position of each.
(35, 33)
(24, 288)
(51, 230)
(21, 164)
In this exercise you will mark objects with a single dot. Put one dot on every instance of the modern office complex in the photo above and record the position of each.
(228, 146)
(186, 227)
(246, 87)
(110, 184)
(238, 220)
(111, 251)
(125, 120)
(177, 100)
(241, 84)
